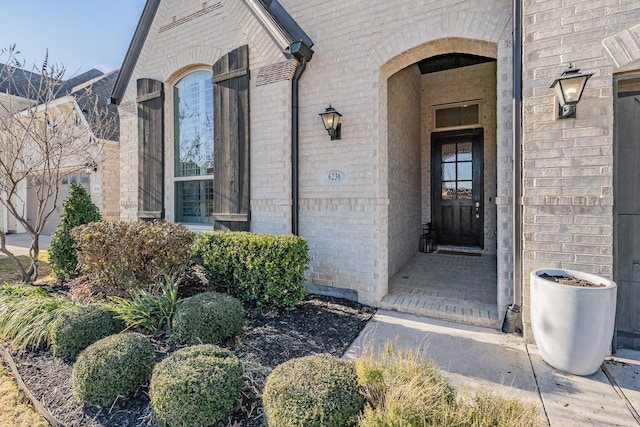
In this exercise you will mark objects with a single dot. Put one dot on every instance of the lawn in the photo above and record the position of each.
(13, 411)
(9, 273)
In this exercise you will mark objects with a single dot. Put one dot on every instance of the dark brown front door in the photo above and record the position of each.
(626, 265)
(456, 167)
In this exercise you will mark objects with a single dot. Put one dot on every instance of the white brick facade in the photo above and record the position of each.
(364, 228)
(360, 231)
(568, 164)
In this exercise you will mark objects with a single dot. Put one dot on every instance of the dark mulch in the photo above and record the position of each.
(572, 281)
(318, 324)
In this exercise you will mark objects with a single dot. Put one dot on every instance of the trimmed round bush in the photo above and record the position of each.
(78, 328)
(313, 391)
(207, 318)
(111, 367)
(196, 386)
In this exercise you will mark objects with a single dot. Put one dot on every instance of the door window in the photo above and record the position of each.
(457, 171)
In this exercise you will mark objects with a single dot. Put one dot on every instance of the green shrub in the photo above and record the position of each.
(262, 270)
(124, 256)
(207, 318)
(150, 309)
(78, 328)
(77, 209)
(313, 391)
(27, 314)
(112, 367)
(196, 386)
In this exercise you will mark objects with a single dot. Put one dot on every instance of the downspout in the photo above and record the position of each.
(303, 54)
(513, 317)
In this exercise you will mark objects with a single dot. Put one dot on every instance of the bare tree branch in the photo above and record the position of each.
(48, 130)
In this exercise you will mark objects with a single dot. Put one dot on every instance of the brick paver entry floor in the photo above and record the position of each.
(459, 288)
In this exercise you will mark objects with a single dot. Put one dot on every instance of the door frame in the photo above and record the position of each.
(616, 80)
(477, 177)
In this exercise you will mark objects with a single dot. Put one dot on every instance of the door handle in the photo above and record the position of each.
(477, 205)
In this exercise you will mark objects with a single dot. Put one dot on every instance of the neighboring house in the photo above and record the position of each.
(97, 169)
(219, 105)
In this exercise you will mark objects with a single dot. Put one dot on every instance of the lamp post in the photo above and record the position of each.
(331, 121)
(568, 88)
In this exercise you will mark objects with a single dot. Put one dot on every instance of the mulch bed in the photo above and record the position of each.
(319, 324)
(572, 281)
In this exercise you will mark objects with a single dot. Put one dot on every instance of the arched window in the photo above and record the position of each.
(193, 130)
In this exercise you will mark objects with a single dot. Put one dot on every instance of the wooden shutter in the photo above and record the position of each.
(150, 149)
(231, 140)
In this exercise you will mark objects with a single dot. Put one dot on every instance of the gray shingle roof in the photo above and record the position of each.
(25, 83)
(22, 82)
(93, 98)
(74, 81)
(91, 90)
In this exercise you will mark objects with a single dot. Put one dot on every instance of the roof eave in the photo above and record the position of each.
(282, 28)
(133, 53)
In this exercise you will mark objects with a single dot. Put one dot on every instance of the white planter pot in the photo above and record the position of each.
(572, 325)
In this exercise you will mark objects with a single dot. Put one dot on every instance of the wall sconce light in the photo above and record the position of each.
(331, 121)
(569, 87)
(90, 166)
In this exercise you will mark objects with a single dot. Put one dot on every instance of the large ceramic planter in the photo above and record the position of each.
(572, 325)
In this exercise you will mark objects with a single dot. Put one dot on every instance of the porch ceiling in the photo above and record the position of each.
(450, 61)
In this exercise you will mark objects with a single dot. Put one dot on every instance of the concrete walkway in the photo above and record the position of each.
(471, 356)
(19, 244)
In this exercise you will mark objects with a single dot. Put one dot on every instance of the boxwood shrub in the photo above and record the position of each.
(124, 255)
(262, 270)
(78, 328)
(207, 318)
(196, 386)
(313, 391)
(111, 367)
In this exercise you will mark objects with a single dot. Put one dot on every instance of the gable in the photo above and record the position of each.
(267, 14)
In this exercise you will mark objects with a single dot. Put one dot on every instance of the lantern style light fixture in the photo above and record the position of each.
(331, 121)
(90, 166)
(569, 87)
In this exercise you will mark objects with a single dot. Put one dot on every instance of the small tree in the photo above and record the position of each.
(78, 209)
(47, 131)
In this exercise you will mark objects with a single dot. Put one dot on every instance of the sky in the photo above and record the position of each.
(79, 34)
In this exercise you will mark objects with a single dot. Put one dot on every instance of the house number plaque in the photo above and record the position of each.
(334, 176)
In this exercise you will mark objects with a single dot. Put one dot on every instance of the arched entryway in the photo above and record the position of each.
(443, 169)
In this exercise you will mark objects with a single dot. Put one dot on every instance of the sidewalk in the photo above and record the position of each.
(472, 356)
(19, 244)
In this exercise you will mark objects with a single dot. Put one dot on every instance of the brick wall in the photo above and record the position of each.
(404, 166)
(110, 178)
(357, 50)
(568, 164)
